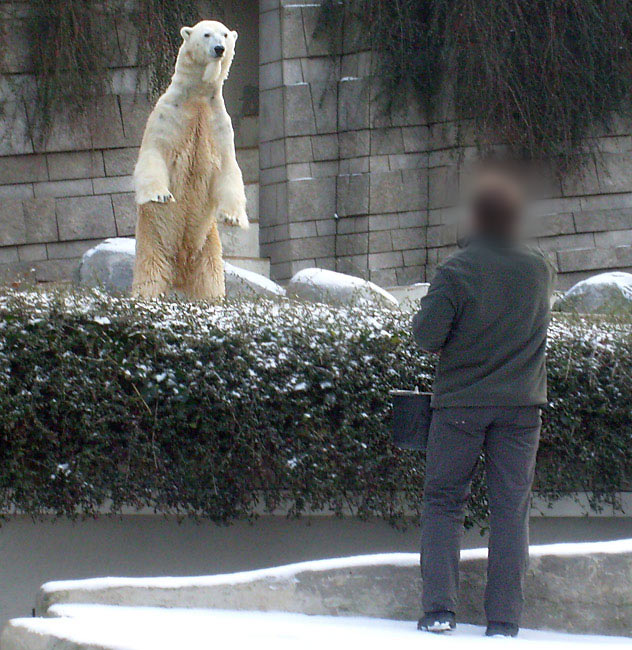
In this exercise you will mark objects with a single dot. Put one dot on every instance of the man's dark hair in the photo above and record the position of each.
(497, 204)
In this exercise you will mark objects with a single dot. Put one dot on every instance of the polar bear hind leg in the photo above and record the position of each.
(203, 277)
(154, 264)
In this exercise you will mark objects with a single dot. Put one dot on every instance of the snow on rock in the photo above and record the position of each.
(109, 264)
(569, 587)
(138, 628)
(606, 293)
(322, 285)
(241, 282)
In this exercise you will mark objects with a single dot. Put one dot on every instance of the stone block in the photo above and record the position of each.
(618, 219)
(14, 130)
(12, 223)
(326, 227)
(270, 75)
(269, 37)
(107, 124)
(353, 224)
(414, 219)
(411, 275)
(69, 249)
(380, 241)
(406, 238)
(353, 265)
(546, 225)
(583, 181)
(311, 199)
(271, 114)
(8, 255)
(613, 238)
(382, 221)
(385, 260)
(383, 277)
(325, 147)
(355, 143)
(386, 140)
(353, 194)
(86, 217)
(113, 184)
(246, 132)
(614, 171)
(62, 270)
(299, 110)
(397, 191)
(379, 163)
(120, 162)
(443, 186)
(353, 104)
(302, 229)
(298, 170)
(252, 201)
(22, 169)
(415, 138)
(75, 164)
(298, 149)
(567, 242)
(414, 257)
(319, 69)
(316, 45)
(79, 187)
(248, 160)
(324, 168)
(356, 244)
(354, 166)
(293, 43)
(31, 252)
(408, 161)
(443, 235)
(135, 110)
(312, 247)
(14, 192)
(40, 220)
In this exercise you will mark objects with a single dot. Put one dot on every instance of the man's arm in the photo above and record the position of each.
(438, 309)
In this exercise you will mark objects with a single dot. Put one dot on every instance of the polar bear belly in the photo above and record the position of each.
(192, 166)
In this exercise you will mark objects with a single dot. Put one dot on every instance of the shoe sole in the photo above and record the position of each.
(437, 628)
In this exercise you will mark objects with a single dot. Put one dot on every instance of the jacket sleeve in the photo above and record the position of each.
(438, 309)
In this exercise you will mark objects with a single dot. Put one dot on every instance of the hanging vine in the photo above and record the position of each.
(538, 75)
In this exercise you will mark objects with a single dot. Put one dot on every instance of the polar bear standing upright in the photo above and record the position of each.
(187, 177)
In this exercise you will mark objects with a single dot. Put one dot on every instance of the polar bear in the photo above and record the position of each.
(187, 177)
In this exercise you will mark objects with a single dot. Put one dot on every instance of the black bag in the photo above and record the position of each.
(411, 419)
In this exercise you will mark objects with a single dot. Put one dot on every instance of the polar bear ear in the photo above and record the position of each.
(185, 32)
(235, 35)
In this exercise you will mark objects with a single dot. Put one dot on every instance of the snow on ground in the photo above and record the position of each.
(290, 570)
(146, 628)
(114, 245)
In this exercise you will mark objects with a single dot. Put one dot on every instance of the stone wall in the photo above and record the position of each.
(61, 197)
(345, 187)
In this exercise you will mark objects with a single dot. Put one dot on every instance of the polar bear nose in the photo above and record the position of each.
(219, 50)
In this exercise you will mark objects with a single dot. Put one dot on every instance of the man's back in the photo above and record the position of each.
(487, 311)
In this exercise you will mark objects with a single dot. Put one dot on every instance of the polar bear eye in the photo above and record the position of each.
(225, 35)
(207, 35)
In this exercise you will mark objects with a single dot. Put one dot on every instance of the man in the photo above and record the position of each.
(486, 313)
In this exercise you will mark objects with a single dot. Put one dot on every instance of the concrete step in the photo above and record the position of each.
(581, 588)
(237, 242)
(90, 627)
(259, 265)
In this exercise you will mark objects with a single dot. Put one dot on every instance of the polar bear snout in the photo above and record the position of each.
(219, 51)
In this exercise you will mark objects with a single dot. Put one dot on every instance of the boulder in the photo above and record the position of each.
(240, 282)
(409, 296)
(606, 293)
(109, 264)
(321, 285)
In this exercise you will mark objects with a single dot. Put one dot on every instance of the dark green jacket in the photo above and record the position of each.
(487, 312)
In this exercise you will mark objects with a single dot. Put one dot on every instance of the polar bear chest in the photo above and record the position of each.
(194, 157)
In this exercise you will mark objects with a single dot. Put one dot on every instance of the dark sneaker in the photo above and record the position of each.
(496, 628)
(437, 622)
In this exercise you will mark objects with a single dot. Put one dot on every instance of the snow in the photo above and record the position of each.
(126, 245)
(146, 628)
(621, 279)
(290, 571)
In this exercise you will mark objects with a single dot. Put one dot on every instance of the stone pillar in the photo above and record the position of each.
(342, 186)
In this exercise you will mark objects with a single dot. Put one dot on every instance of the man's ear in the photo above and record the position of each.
(185, 32)
(235, 35)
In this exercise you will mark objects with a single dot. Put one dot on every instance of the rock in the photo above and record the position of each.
(240, 282)
(606, 293)
(321, 285)
(409, 296)
(109, 264)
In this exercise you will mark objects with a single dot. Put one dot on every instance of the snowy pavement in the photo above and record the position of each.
(146, 628)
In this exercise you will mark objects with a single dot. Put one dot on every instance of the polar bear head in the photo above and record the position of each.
(212, 45)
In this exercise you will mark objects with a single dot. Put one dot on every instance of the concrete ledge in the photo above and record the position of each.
(569, 587)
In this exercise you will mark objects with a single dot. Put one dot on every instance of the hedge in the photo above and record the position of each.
(224, 411)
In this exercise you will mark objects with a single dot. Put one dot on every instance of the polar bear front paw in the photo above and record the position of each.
(162, 196)
(239, 219)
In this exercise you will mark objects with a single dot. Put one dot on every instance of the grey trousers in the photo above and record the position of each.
(509, 437)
